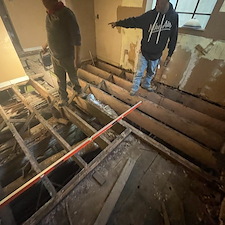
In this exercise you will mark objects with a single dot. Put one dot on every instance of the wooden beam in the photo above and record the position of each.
(88, 130)
(36, 218)
(82, 124)
(174, 94)
(193, 102)
(115, 194)
(114, 70)
(162, 149)
(27, 152)
(186, 145)
(6, 215)
(17, 120)
(201, 134)
(179, 109)
(44, 122)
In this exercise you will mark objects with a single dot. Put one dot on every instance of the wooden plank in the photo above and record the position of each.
(27, 152)
(174, 138)
(192, 102)
(95, 111)
(35, 219)
(179, 109)
(114, 70)
(17, 120)
(6, 215)
(195, 131)
(44, 122)
(222, 213)
(89, 130)
(2, 125)
(115, 194)
(174, 94)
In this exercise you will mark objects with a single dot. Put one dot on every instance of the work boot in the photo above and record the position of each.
(150, 89)
(83, 95)
(132, 93)
(63, 102)
(79, 93)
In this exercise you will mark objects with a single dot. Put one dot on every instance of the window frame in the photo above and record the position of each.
(194, 13)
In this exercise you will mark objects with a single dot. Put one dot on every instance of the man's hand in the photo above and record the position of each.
(113, 24)
(77, 60)
(167, 61)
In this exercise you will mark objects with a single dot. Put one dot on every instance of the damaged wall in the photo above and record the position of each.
(198, 63)
(11, 69)
(197, 67)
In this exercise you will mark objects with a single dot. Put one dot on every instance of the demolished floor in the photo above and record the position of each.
(162, 164)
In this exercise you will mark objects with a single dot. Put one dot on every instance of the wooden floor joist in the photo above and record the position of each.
(190, 101)
(114, 194)
(33, 220)
(201, 134)
(62, 142)
(82, 124)
(27, 152)
(174, 138)
(179, 109)
(163, 150)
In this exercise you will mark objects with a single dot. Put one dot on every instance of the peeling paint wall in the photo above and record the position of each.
(197, 67)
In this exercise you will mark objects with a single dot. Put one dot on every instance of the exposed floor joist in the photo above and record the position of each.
(113, 91)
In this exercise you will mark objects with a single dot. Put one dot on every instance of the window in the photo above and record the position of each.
(193, 9)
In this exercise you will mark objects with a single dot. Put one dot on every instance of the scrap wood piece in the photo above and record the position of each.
(99, 178)
(222, 213)
(165, 214)
(6, 215)
(115, 193)
(27, 152)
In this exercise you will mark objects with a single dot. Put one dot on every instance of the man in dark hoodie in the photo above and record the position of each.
(63, 39)
(158, 25)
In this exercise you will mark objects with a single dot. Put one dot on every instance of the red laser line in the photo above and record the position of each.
(52, 167)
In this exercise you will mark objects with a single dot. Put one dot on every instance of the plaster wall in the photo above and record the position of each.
(11, 67)
(28, 18)
(197, 67)
(84, 11)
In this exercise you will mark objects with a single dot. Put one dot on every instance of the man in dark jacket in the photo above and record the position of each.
(158, 25)
(63, 37)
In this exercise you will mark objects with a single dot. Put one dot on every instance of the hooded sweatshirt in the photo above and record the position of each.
(62, 32)
(157, 29)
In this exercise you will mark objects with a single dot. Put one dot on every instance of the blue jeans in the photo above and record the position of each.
(144, 64)
(61, 67)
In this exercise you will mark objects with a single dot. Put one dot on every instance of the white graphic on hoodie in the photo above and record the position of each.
(158, 28)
